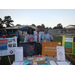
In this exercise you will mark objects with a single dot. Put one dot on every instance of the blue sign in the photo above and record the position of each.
(74, 39)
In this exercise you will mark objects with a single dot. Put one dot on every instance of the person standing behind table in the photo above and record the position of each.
(18, 38)
(8, 36)
(37, 35)
(29, 36)
(46, 37)
(4, 35)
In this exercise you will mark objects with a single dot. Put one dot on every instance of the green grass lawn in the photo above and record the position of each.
(4, 59)
(57, 39)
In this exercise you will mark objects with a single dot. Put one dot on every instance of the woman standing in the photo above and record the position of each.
(29, 37)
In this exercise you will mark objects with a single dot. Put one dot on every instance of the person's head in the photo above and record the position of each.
(4, 33)
(7, 33)
(30, 31)
(46, 30)
(17, 32)
(38, 29)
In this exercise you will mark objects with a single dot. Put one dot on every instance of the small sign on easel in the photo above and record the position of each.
(19, 54)
(60, 53)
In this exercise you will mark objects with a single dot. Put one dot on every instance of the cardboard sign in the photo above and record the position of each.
(69, 43)
(49, 48)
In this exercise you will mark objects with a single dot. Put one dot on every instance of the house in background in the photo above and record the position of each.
(70, 29)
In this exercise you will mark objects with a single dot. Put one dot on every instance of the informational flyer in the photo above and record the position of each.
(19, 54)
(69, 43)
(60, 53)
(7, 46)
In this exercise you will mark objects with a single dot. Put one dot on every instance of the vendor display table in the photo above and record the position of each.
(51, 58)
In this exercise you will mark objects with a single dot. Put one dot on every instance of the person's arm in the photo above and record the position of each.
(51, 40)
(26, 38)
(51, 37)
(50, 33)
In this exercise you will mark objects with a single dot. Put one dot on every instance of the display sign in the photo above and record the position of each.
(69, 43)
(7, 46)
(60, 53)
(19, 54)
(49, 48)
(29, 49)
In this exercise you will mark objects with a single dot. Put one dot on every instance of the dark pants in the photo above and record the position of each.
(39, 48)
(18, 42)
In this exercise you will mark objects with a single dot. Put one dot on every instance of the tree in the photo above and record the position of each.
(18, 25)
(8, 20)
(50, 28)
(33, 25)
(42, 26)
(59, 26)
(55, 27)
(39, 26)
(1, 23)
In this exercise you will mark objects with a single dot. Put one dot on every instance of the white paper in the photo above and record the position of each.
(19, 54)
(63, 63)
(52, 63)
(17, 63)
(30, 58)
(39, 59)
(34, 63)
(60, 53)
(68, 39)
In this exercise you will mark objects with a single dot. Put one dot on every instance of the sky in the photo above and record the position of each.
(48, 17)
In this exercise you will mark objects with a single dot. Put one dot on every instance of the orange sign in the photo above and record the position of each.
(49, 48)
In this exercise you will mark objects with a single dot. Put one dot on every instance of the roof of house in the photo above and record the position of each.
(70, 27)
(18, 27)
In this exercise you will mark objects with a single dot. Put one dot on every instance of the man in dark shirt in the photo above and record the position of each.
(18, 38)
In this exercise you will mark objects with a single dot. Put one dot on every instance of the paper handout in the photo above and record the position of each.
(63, 63)
(60, 53)
(52, 63)
(18, 63)
(19, 54)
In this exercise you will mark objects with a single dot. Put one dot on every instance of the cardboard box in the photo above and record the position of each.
(39, 61)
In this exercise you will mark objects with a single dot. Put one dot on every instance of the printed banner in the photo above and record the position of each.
(7, 46)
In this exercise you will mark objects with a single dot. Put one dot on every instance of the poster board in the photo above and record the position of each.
(7, 46)
(29, 49)
(60, 53)
(49, 48)
(69, 43)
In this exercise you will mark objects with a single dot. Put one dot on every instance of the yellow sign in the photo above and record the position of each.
(49, 48)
